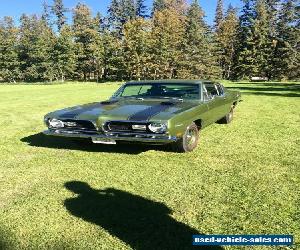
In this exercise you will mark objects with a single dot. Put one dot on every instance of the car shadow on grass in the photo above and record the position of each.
(269, 89)
(7, 239)
(271, 94)
(139, 222)
(41, 140)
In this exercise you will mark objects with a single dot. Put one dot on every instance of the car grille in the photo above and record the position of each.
(79, 125)
(121, 126)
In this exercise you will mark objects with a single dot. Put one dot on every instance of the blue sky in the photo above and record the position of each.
(15, 8)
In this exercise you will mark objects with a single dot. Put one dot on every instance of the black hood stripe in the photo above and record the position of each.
(72, 114)
(147, 113)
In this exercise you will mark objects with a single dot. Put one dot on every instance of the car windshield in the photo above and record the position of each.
(159, 90)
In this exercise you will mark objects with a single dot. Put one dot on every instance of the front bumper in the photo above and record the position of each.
(134, 137)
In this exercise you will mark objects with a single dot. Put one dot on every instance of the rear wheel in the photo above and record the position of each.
(227, 118)
(189, 141)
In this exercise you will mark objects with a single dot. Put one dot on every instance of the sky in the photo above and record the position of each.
(15, 8)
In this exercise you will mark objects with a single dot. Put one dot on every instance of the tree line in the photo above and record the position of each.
(170, 40)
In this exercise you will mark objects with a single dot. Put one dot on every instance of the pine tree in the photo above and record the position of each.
(158, 5)
(89, 47)
(175, 43)
(272, 11)
(262, 46)
(9, 61)
(114, 13)
(287, 55)
(219, 14)
(198, 58)
(45, 13)
(120, 12)
(219, 35)
(36, 44)
(113, 57)
(59, 11)
(227, 38)
(63, 54)
(167, 40)
(136, 48)
(244, 60)
(99, 22)
(42, 52)
(180, 6)
(141, 9)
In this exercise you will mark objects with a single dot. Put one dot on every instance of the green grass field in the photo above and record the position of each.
(244, 178)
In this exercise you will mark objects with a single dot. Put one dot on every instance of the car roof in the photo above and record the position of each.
(176, 81)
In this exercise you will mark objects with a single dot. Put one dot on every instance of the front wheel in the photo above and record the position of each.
(189, 141)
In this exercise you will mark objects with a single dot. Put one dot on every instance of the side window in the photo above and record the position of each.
(210, 91)
(220, 88)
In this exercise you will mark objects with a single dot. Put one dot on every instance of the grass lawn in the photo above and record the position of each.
(244, 178)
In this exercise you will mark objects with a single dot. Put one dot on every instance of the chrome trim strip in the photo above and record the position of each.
(137, 137)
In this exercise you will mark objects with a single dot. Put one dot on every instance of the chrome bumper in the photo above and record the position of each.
(135, 137)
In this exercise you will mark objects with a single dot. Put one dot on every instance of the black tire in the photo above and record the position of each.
(227, 118)
(189, 140)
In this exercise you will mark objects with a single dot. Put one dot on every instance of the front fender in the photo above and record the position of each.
(178, 123)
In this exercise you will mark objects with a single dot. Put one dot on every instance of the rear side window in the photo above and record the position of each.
(212, 89)
(220, 89)
(209, 91)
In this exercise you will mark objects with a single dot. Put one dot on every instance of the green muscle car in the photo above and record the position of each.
(158, 112)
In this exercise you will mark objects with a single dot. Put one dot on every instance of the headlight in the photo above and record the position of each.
(55, 123)
(157, 127)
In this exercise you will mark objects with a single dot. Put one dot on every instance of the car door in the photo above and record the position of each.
(225, 104)
(214, 104)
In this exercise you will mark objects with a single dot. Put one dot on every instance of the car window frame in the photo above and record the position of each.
(118, 93)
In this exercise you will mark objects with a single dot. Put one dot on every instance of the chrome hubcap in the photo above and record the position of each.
(230, 115)
(191, 136)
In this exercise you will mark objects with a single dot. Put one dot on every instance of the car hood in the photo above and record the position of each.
(125, 109)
